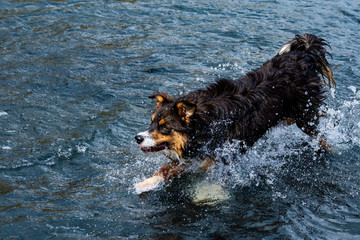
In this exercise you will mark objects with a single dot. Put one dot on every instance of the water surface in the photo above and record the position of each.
(74, 81)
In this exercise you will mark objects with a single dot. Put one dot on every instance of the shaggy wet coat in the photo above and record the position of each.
(287, 87)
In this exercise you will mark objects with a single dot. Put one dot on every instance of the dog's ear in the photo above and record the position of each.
(160, 98)
(186, 109)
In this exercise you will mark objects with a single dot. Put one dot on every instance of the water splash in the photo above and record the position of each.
(3, 113)
(342, 125)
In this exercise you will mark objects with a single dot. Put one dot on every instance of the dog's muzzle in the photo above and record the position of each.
(148, 144)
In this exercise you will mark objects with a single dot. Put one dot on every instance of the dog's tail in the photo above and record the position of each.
(315, 48)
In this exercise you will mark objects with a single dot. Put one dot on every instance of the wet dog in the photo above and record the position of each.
(289, 87)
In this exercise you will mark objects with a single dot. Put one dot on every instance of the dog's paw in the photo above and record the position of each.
(148, 184)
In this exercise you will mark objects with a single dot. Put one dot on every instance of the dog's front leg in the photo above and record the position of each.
(169, 170)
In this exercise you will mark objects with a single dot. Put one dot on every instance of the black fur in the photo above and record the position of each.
(289, 86)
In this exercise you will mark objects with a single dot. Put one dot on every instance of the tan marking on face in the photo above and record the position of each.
(162, 122)
(186, 120)
(176, 141)
(153, 117)
(179, 141)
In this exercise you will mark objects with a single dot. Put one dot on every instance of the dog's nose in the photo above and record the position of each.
(139, 139)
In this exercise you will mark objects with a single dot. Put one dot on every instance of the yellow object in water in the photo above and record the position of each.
(209, 194)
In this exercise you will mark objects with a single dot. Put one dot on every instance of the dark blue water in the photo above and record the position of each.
(74, 81)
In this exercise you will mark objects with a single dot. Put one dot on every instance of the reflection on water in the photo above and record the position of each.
(74, 81)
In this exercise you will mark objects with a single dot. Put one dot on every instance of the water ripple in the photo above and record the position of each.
(74, 81)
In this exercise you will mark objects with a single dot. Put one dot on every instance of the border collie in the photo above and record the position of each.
(289, 87)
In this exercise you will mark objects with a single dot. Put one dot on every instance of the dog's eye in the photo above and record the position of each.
(163, 127)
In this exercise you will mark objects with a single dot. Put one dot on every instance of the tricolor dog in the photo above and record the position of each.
(289, 87)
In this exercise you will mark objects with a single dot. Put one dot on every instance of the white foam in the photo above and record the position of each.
(3, 113)
(81, 148)
(341, 125)
(352, 88)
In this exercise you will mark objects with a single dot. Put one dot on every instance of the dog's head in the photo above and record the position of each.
(169, 128)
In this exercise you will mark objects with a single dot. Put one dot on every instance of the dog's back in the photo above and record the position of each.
(289, 86)
(302, 64)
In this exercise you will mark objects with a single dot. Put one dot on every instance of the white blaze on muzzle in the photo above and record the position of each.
(148, 140)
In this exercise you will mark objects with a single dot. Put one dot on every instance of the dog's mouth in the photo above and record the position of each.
(156, 148)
